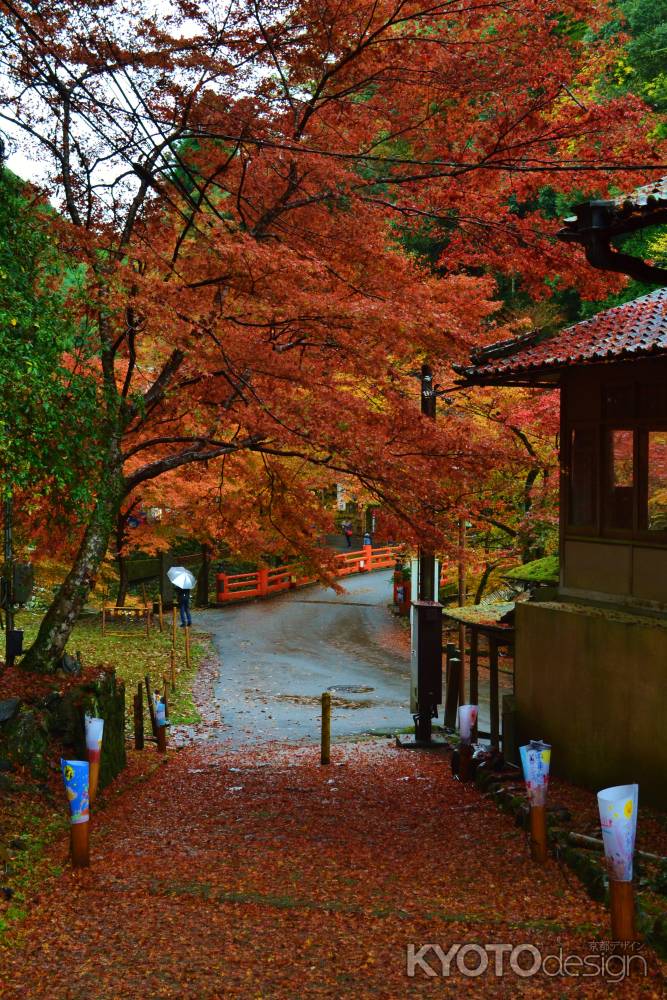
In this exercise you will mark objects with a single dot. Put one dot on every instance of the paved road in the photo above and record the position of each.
(279, 655)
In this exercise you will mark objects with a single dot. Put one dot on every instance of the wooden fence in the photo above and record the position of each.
(265, 582)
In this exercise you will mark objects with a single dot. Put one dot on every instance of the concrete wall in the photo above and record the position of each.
(593, 682)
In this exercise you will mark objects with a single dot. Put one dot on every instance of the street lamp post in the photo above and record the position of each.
(427, 613)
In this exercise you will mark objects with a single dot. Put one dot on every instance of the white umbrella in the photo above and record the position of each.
(181, 577)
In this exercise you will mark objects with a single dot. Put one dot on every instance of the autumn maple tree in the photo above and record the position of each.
(236, 184)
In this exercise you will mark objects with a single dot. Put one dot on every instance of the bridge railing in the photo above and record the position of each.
(264, 582)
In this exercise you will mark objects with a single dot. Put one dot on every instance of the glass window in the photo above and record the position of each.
(583, 477)
(657, 481)
(620, 480)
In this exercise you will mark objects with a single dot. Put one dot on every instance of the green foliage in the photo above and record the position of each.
(48, 396)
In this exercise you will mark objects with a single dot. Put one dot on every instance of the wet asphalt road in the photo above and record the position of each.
(279, 655)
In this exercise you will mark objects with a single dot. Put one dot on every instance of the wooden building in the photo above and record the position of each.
(591, 659)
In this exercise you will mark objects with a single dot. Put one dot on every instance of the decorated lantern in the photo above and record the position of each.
(76, 779)
(618, 821)
(536, 760)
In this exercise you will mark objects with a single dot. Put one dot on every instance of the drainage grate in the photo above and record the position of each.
(350, 689)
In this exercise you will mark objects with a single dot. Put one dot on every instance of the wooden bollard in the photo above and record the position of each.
(173, 626)
(173, 670)
(187, 646)
(104, 618)
(538, 834)
(80, 845)
(138, 722)
(325, 753)
(622, 906)
(160, 612)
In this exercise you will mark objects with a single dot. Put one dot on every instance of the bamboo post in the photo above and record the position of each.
(538, 834)
(173, 670)
(138, 722)
(622, 906)
(80, 845)
(160, 612)
(325, 754)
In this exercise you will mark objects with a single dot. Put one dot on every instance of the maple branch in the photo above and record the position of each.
(187, 457)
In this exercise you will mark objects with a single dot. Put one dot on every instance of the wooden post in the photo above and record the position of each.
(80, 844)
(465, 761)
(161, 739)
(452, 696)
(187, 646)
(173, 670)
(93, 773)
(474, 674)
(151, 707)
(160, 612)
(138, 722)
(538, 834)
(622, 906)
(494, 697)
(462, 600)
(104, 618)
(325, 752)
(165, 683)
(173, 626)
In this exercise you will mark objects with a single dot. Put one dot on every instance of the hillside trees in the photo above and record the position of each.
(231, 181)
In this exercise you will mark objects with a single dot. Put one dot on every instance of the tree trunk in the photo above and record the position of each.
(60, 619)
(123, 582)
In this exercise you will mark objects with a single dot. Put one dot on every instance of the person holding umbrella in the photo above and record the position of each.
(183, 581)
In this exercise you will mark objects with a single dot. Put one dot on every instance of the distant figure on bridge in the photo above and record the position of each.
(183, 598)
(368, 540)
(347, 531)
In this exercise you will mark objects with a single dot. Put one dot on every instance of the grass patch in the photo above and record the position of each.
(133, 654)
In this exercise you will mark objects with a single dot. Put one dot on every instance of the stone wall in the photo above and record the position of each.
(593, 682)
(31, 732)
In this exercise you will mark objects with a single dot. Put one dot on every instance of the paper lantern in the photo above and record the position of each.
(618, 821)
(535, 760)
(467, 720)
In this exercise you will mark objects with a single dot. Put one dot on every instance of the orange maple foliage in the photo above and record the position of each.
(235, 189)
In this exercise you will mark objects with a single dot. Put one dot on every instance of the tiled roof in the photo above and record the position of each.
(636, 329)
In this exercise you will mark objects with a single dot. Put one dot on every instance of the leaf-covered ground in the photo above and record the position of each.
(263, 875)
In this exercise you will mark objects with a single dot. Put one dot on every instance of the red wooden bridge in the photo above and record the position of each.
(265, 582)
